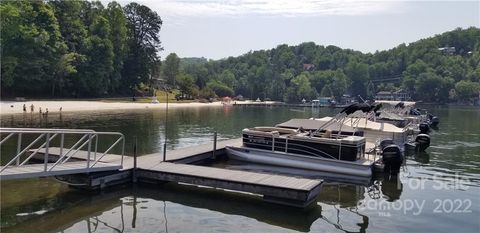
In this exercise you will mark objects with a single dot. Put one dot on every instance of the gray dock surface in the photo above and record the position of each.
(38, 170)
(182, 155)
(274, 188)
(281, 189)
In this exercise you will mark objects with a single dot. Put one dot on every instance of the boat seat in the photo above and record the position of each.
(274, 130)
(327, 134)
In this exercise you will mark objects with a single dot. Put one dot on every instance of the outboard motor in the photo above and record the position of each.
(424, 128)
(415, 112)
(422, 142)
(392, 156)
(434, 121)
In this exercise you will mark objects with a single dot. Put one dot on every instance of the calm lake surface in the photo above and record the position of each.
(436, 191)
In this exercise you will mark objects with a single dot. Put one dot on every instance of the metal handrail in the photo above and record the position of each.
(48, 135)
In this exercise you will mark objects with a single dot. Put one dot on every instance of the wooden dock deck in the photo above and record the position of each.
(38, 170)
(177, 168)
(274, 188)
(187, 155)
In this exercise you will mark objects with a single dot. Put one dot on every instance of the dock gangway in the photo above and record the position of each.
(16, 152)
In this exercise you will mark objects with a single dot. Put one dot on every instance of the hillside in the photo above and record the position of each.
(442, 68)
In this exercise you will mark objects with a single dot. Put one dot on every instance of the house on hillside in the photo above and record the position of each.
(308, 67)
(159, 83)
(447, 50)
(399, 95)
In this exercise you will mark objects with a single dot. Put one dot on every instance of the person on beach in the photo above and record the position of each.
(24, 108)
(32, 108)
(40, 110)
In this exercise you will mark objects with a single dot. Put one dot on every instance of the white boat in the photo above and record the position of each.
(328, 145)
(361, 167)
(376, 131)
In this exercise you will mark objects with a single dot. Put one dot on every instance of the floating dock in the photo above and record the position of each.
(178, 167)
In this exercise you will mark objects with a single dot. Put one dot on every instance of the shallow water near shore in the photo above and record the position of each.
(436, 191)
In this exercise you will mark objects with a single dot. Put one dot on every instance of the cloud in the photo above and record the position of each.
(285, 8)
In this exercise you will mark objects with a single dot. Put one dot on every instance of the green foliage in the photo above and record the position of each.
(171, 68)
(291, 73)
(220, 89)
(330, 83)
(303, 87)
(358, 74)
(433, 87)
(81, 48)
(118, 37)
(186, 84)
(31, 46)
(143, 26)
(467, 90)
(206, 93)
(76, 48)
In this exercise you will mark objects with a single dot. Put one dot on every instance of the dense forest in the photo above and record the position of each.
(65, 49)
(443, 68)
(77, 48)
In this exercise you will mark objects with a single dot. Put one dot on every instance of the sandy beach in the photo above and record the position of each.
(14, 107)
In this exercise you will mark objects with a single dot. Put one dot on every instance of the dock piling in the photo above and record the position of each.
(164, 152)
(214, 145)
(134, 170)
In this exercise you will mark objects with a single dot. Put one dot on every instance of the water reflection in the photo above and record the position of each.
(422, 157)
(150, 208)
(453, 156)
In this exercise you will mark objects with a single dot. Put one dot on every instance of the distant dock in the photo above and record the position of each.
(281, 104)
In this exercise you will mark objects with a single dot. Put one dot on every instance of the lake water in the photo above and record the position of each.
(436, 191)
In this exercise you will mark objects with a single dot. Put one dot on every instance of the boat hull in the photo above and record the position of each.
(300, 161)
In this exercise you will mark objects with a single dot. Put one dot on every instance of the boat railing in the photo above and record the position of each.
(68, 141)
(278, 144)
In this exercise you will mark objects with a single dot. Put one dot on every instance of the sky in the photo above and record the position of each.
(217, 29)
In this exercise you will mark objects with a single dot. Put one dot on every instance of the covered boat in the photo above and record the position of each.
(327, 145)
(302, 148)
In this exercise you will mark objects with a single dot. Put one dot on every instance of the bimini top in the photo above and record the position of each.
(394, 103)
(390, 116)
(363, 123)
(311, 124)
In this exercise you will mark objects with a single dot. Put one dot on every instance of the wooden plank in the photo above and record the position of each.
(274, 188)
(38, 170)
(238, 176)
(193, 151)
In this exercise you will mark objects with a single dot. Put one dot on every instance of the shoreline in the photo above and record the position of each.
(95, 105)
(54, 106)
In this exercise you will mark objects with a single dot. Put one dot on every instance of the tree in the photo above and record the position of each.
(358, 73)
(304, 88)
(228, 78)
(73, 29)
(171, 68)
(31, 48)
(340, 84)
(118, 37)
(100, 54)
(467, 90)
(66, 66)
(220, 89)
(143, 44)
(186, 84)
(433, 88)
